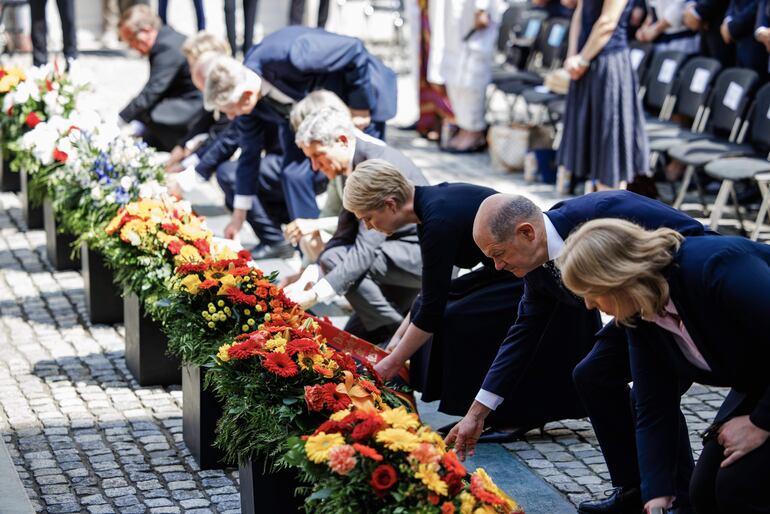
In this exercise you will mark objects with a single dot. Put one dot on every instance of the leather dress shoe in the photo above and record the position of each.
(622, 500)
(282, 250)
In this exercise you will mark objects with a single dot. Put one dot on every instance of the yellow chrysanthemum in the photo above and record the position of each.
(467, 503)
(426, 435)
(190, 284)
(428, 475)
(317, 447)
(400, 418)
(276, 344)
(340, 415)
(222, 353)
(133, 232)
(398, 439)
(489, 485)
(190, 254)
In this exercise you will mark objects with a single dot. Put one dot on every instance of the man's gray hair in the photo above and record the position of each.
(502, 224)
(204, 42)
(324, 127)
(313, 102)
(226, 80)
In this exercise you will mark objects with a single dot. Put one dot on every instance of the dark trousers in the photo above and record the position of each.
(249, 19)
(267, 209)
(382, 296)
(40, 30)
(739, 488)
(200, 14)
(297, 10)
(712, 45)
(601, 379)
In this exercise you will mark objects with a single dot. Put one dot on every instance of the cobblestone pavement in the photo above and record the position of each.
(86, 438)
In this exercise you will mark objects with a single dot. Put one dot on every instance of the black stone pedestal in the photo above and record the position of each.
(33, 215)
(58, 246)
(268, 492)
(200, 412)
(103, 301)
(10, 182)
(146, 347)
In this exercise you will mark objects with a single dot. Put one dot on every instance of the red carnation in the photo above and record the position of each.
(170, 228)
(192, 267)
(433, 498)
(240, 271)
(383, 479)
(368, 452)
(452, 464)
(249, 348)
(59, 156)
(175, 247)
(332, 427)
(244, 254)
(208, 283)
(32, 120)
(2, 73)
(345, 362)
(454, 483)
(448, 508)
(48, 85)
(203, 246)
(368, 386)
(238, 296)
(301, 345)
(280, 364)
(367, 428)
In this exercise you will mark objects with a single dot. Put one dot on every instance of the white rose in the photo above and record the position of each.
(126, 182)
(96, 193)
(110, 198)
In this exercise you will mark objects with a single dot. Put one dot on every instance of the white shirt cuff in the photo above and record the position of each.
(187, 179)
(191, 160)
(759, 31)
(324, 290)
(243, 202)
(489, 400)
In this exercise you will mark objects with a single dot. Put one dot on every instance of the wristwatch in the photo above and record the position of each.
(583, 63)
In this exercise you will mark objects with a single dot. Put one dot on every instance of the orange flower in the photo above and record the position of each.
(368, 452)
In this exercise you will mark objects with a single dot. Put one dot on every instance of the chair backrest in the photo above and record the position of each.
(640, 58)
(759, 132)
(694, 84)
(555, 41)
(660, 79)
(523, 36)
(729, 98)
(510, 25)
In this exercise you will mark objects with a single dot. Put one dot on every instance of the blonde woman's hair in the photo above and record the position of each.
(139, 17)
(621, 260)
(313, 102)
(204, 42)
(373, 182)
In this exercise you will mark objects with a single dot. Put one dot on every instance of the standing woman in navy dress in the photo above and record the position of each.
(604, 141)
(456, 325)
(696, 310)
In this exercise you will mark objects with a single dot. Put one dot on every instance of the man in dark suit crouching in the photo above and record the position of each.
(169, 102)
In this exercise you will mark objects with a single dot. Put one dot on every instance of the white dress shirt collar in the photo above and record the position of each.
(554, 240)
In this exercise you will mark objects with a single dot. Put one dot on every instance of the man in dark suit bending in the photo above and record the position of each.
(169, 102)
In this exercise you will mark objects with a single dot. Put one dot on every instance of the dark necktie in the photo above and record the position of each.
(281, 108)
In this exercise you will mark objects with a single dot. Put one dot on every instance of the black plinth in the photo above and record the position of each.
(200, 412)
(33, 214)
(58, 246)
(146, 347)
(103, 301)
(263, 492)
(10, 182)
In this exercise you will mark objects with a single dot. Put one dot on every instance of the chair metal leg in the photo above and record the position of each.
(686, 179)
(738, 214)
(719, 204)
(765, 188)
(701, 193)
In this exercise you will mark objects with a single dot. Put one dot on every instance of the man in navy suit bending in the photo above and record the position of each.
(524, 240)
(284, 68)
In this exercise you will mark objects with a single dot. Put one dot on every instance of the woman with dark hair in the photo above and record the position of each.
(696, 310)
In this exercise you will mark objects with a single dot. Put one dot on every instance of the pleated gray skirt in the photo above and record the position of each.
(604, 137)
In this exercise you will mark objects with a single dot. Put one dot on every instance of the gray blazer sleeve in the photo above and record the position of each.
(357, 261)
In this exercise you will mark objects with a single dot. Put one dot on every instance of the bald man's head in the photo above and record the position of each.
(510, 230)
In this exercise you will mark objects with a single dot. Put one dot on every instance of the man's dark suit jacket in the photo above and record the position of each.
(365, 243)
(721, 289)
(543, 291)
(169, 96)
(750, 53)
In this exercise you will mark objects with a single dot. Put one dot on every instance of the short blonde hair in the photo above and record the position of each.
(204, 42)
(622, 260)
(313, 102)
(372, 183)
(226, 79)
(138, 17)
